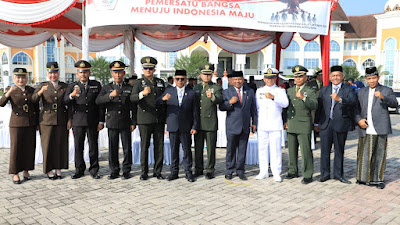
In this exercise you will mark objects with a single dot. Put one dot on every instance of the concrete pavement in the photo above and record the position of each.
(217, 201)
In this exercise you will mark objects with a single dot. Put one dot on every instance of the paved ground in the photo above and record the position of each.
(88, 201)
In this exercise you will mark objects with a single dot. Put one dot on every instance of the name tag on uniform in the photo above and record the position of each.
(261, 95)
(127, 91)
(160, 85)
(17, 95)
(92, 86)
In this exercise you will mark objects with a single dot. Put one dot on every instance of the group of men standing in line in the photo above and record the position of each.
(85, 106)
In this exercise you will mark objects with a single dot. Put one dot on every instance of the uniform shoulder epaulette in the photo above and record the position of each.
(7, 89)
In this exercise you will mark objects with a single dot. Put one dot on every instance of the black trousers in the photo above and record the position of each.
(79, 141)
(328, 137)
(184, 138)
(113, 143)
(236, 152)
(146, 130)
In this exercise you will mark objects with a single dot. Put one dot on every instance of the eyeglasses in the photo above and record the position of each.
(148, 68)
(179, 79)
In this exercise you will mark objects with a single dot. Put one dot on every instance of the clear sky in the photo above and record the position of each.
(362, 7)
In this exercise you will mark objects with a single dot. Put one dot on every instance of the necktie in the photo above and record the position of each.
(335, 89)
(240, 96)
(297, 89)
(85, 85)
(55, 84)
(180, 97)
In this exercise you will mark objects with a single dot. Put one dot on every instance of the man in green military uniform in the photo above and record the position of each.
(298, 121)
(150, 118)
(208, 95)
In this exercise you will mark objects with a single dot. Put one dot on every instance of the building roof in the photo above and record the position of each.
(339, 15)
(360, 27)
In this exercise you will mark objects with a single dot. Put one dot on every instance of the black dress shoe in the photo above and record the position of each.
(228, 176)
(198, 173)
(341, 179)
(323, 179)
(144, 177)
(190, 177)
(291, 176)
(159, 176)
(361, 182)
(380, 186)
(17, 181)
(306, 180)
(173, 176)
(113, 176)
(75, 176)
(52, 177)
(95, 176)
(126, 176)
(242, 177)
(58, 177)
(210, 176)
(27, 178)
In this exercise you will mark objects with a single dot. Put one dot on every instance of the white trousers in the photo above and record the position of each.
(270, 152)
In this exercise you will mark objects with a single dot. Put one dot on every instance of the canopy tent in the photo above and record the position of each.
(38, 20)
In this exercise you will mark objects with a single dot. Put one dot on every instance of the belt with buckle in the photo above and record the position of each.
(25, 107)
(54, 106)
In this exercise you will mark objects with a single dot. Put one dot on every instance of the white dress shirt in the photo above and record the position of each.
(370, 129)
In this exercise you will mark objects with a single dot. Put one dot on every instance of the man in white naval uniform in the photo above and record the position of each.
(270, 101)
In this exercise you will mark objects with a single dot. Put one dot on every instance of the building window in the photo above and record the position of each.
(4, 59)
(289, 63)
(21, 59)
(345, 46)
(172, 58)
(390, 50)
(334, 46)
(333, 62)
(247, 65)
(69, 62)
(51, 49)
(349, 45)
(69, 78)
(349, 62)
(312, 46)
(311, 64)
(368, 63)
(369, 44)
(293, 47)
(67, 44)
(355, 45)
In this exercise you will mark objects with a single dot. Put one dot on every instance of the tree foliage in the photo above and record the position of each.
(351, 72)
(191, 64)
(100, 69)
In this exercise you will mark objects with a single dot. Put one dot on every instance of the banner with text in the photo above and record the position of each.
(303, 16)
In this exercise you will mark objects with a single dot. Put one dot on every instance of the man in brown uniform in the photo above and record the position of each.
(53, 119)
(23, 123)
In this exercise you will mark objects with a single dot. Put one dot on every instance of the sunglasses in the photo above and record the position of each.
(148, 68)
(179, 79)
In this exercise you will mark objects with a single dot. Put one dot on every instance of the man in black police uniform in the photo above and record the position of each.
(120, 114)
(85, 118)
(150, 118)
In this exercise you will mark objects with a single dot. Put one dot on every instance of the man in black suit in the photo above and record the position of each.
(182, 122)
(240, 103)
(120, 114)
(86, 118)
(374, 126)
(335, 104)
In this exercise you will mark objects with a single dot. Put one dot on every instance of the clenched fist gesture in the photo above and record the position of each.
(300, 95)
(209, 93)
(233, 100)
(43, 89)
(9, 92)
(146, 91)
(269, 96)
(166, 97)
(114, 93)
